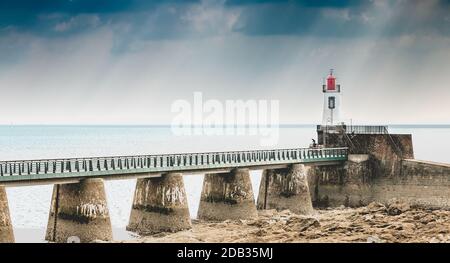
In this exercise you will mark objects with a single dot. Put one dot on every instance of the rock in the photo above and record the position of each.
(368, 217)
(409, 227)
(162, 234)
(94, 241)
(258, 223)
(396, 226)
(242, 222)
(426, 219)
(285, 212)
(434, 240)
(387, 237)
(374, 239)
(376, 207)
(301, 224)
(397, 207)
(267, 213)
(260, 232)
(341, 207)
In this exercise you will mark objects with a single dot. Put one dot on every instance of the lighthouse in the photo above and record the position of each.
(331, 101)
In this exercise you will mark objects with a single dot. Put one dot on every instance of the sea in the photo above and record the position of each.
(29, 205)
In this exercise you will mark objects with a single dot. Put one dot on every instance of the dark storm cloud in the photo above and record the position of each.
(27, 14)
(294, 19)
(346, 18)
(306, 3)
(41, 17)
(163, 19)
(30, 7)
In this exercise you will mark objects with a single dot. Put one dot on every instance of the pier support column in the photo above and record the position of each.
(227, 196)
(160, 205)
(79, 213)
(286, 189)
(6, 230)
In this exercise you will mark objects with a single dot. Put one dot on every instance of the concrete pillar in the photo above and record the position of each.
(227, 196)
(160, 205)
(286, 189)
(79, 213)
(6, 230)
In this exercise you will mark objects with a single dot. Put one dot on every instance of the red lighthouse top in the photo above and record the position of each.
(331, 81)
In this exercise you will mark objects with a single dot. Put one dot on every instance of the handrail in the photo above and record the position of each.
(164, 154)
(357, 129)
(349, 140)
(397, 149)
(365, 129)
(96, 164)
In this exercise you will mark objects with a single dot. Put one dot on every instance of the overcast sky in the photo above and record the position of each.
(125, 62)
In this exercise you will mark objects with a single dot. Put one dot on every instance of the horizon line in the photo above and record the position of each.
(220, 125)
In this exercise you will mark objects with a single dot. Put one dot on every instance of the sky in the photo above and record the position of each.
(126, 62)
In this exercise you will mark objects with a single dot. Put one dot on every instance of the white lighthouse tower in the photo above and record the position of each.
(331, 101)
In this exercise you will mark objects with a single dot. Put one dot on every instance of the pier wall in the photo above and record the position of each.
(420, 183)
(385, 161)
(348, 184)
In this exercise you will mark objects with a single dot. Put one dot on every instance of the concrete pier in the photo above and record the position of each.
(160, 205)
(79, 213)
(6, 230)
(227, 196)
(286, 189)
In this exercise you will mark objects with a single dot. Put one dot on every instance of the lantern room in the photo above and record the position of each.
(330, 85)
(331, 81)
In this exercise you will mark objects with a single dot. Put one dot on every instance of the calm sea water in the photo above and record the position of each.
(29, 205)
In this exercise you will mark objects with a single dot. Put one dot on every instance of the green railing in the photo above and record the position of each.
(115, 165)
